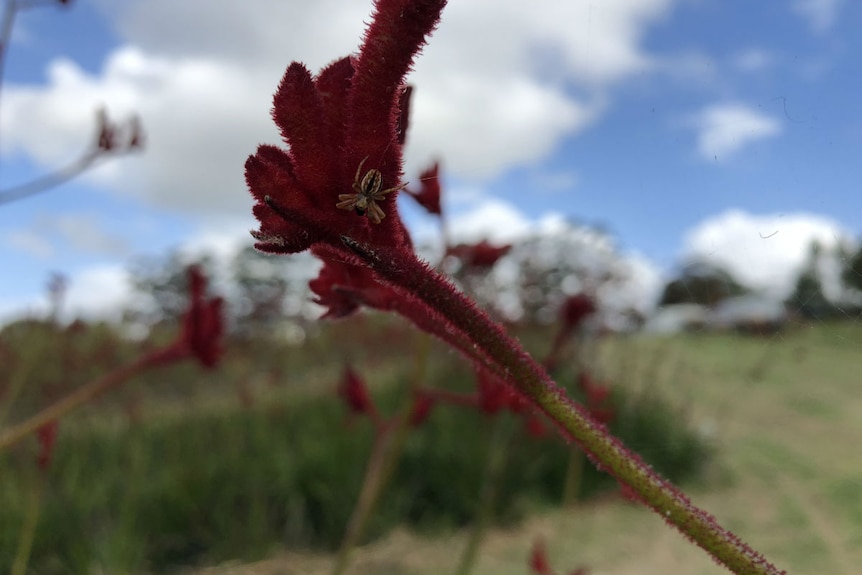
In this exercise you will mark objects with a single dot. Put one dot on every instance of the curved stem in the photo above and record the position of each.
(82, 395)
(403, 269)
(50, 180)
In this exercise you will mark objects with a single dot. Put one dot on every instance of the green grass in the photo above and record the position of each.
(788, 476)
(196, 478)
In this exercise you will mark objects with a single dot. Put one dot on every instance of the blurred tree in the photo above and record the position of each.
(531, 281)
(262, 290)
(261, 286)
(807, 297)
(162, 281)
(702, 283)
(851, 276)
(270, 289)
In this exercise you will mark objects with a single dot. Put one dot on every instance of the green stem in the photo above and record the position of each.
(492, 475)
(574, 475)
(82, 395)
(28, 530)
(387, 449)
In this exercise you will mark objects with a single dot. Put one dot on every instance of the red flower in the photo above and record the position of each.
(354, 392)
(574, 310)
(539, 562)
(598, 396)
(478, 256)
(539, 559)
(203, 325)
(343, 288)
(536, 427)
(428, 195)
(495, 394)
(47, 436)
(344, 129)
(423, 403)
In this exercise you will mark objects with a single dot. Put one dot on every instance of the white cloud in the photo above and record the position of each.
(98, 292)
(493, 124)
(201, 76)
(491, 219)
(202, 118)
(85, 233)
(752, 60)
(724, 129)
(51, 234)
(222, 238)
(765, 252)
(820, 14)
(30, 242)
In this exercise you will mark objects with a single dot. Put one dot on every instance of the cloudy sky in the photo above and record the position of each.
(724, 129)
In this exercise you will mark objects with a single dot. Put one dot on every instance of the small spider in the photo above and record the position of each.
(368, 193)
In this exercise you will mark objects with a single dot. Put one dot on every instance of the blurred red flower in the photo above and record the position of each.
(478, 256)
(539, 559)
(574, 310)
(354, 392)
(428, 195)
(597, 398)
(47, 436)
(342, 288)
(203, 323)
(423, 404)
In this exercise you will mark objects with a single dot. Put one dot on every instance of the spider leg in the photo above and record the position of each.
(346, 201)
(358, 171)
(380, 195)
(375, 214)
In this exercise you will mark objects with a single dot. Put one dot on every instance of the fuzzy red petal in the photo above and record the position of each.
(333, 83)
(428, 195)
(396, 34)
(298, 110)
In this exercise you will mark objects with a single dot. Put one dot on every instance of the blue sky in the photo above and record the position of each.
(726, 130)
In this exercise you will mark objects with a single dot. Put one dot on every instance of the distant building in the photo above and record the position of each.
(750, 313)
(677, 318)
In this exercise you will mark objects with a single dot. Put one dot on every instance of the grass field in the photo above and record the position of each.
(786, 415)
(200, 468)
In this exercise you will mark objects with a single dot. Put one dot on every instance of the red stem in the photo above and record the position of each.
(403, 269)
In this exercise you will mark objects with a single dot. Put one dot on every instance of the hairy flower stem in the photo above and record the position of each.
(389, 441)
(501, 435)
(82, 395)
(405, 271)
